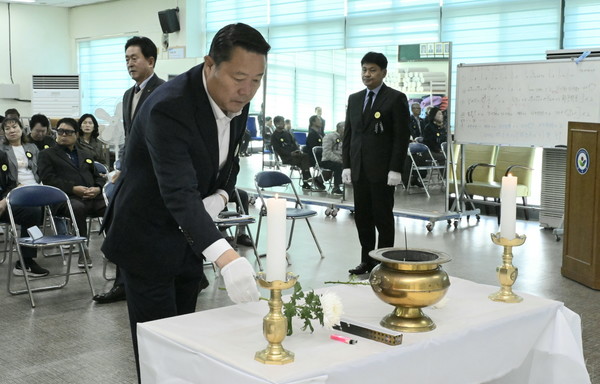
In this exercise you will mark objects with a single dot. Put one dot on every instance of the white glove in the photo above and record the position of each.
(394, 178)
(239, 281)
(214, 204)
(346, 176)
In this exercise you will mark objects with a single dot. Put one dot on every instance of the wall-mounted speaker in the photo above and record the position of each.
(169, 20)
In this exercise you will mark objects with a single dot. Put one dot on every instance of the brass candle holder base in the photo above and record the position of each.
(275, 323)
(507, 272)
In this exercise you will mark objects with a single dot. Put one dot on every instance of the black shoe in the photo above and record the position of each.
(80, 262)
(116, 293)
(306, 185)
(32, 268)
(416, 183)
(318, 184)
(244, 239)
(337, 191)
(361, 269)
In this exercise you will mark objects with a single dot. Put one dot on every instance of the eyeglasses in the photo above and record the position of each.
(68, 132)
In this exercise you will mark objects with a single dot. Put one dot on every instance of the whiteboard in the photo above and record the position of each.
(525, 103)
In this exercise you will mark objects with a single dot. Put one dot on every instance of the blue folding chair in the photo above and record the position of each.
(271, 179)
(43, 196)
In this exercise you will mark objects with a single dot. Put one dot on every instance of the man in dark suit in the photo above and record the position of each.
(180, 167)
(72, 170)
(140, 56)
(374, 148)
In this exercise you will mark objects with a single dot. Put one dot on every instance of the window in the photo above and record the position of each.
(581, 24)
(103, 74)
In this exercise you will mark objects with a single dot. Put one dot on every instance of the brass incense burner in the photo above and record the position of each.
(275, 323)
(409, 279)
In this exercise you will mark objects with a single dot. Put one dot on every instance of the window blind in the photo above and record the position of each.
(581, 24)
(103, 73)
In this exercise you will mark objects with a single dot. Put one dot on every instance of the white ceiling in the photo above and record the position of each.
(59, 3)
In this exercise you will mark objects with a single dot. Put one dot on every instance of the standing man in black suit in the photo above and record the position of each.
(140, 56)
(180, 167)
(374, 147)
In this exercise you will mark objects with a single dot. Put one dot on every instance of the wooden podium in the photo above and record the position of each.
(581, 249)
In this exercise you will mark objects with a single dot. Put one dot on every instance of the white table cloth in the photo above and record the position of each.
(476, 341)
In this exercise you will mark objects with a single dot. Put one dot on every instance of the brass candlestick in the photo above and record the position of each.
(507, 272)
(275, 323)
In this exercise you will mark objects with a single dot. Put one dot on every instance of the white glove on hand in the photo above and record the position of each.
(214, 204)
(394, 178)
(346, 176)
(239, 281)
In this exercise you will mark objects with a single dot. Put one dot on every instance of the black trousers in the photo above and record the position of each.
(82, 209)
(26, 217)
(373, 210)
(153, 299)
(336, 168)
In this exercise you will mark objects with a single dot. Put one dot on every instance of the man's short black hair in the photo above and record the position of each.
(39, 119)
(69, 121)
(237, 35)
(278, 119)
(375, 58)
(146, 45)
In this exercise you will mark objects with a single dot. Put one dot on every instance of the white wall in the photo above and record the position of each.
(40, 44)
(44, 39)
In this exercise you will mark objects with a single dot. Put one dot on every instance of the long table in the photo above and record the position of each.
(476, 341)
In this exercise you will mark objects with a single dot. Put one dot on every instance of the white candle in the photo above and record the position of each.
(276, 235)
(508, 211)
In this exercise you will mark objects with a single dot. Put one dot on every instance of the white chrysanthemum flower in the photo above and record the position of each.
(332, 309)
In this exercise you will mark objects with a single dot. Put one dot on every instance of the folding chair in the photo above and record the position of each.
(317, 152)
(426, 163)
(43, 196)
(107, 192)
(270, 179)
(237, 220)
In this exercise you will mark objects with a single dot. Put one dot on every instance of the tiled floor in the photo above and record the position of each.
(69, 339)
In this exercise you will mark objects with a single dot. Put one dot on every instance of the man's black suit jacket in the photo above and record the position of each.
(55, 168)
(151, 85)
(376, 151)
(156, 221)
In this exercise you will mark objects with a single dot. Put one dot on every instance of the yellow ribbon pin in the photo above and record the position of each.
(89, 161)
(377, 115)
(46, 146)
(4, 167)
(28, 154)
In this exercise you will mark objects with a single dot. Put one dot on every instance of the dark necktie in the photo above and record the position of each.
(367, 110)
(136, 89)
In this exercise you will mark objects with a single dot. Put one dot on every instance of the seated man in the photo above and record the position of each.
(72, 170)
(286, 147)
(40, 125)
(332, 156)
(314, 139)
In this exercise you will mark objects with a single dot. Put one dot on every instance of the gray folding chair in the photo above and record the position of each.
(43, 196)
(271, 179)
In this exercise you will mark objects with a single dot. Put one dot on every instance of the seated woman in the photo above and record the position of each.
(88, 138)
(19, 167)
(435, 134)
